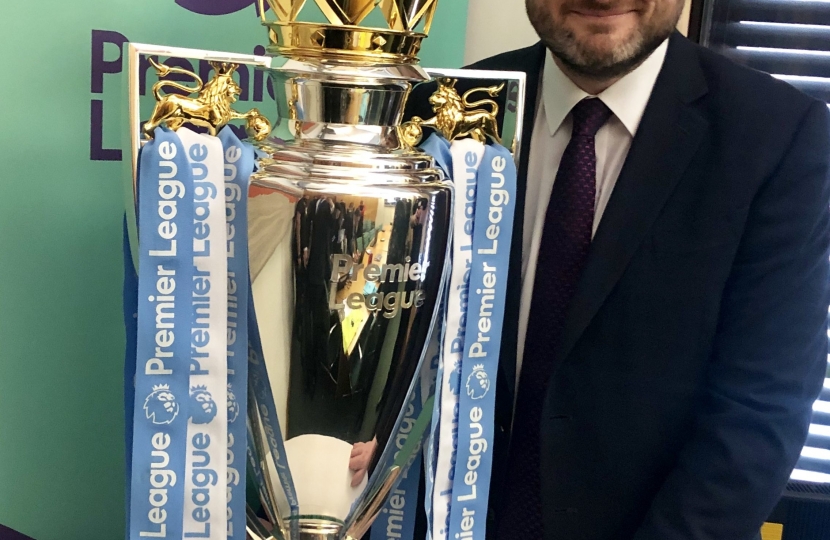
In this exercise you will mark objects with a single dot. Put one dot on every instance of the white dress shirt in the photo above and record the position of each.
(627, 99)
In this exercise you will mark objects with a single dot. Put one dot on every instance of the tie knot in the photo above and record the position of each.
(589, 115)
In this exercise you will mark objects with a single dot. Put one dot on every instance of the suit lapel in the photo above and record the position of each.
(668, 136)
(531, 62)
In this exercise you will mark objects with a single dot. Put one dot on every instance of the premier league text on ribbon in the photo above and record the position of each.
(471, 160)
(166, 215)
(499, 197)
(466, 158)
(239, 164)
(491, 243)
(206, 500)
(205, 192)
(203, 473)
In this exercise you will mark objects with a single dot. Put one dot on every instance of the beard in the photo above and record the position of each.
(594, 62)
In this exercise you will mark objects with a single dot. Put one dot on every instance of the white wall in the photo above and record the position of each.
(495, 26)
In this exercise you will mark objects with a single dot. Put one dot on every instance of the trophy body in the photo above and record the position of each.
(348, 236)
(347, 247)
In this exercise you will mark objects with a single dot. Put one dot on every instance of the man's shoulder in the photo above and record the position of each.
(512, 60)
(736, 89)
(753, 117)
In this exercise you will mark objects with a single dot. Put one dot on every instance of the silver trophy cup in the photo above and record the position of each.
(348, 238)
(349, 231)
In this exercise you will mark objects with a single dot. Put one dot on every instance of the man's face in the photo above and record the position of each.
(603, 39)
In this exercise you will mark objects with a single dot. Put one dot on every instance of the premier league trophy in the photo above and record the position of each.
(345, 241)
(348, 237)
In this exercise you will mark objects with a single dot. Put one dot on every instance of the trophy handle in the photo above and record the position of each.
(134, 138)
(456, 116)
(210, 108)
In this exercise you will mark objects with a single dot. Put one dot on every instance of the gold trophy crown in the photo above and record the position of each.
(343, 38)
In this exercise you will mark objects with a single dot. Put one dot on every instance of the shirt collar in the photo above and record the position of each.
(627, 98)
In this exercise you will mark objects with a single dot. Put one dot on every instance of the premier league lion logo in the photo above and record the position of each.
(478, 383)
(161, 407)
(215, 7)
(233, 405)
(202, 406)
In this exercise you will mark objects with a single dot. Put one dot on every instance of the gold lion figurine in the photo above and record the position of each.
(455, 116)
(211, 108)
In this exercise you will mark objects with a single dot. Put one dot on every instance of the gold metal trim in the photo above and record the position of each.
(285, 10)
(403, 15)
(406, 15)
(342, 38)
(343, 12)
(351, 43)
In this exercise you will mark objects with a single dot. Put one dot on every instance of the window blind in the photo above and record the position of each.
(814, 463)
(790, 39)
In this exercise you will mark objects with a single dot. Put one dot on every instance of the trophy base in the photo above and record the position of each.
(297, 528)
(318, 529)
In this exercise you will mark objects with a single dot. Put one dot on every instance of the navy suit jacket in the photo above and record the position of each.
(697, 340)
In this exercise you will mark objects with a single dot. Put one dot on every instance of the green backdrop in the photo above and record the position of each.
(61, 336)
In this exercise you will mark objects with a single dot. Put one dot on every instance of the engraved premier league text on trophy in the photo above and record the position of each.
(286, 323)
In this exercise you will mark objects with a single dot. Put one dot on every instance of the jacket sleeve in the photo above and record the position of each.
(768, 360)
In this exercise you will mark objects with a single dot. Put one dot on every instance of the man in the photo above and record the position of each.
(669, 287)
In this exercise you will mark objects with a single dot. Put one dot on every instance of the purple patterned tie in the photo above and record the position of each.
(566, 239)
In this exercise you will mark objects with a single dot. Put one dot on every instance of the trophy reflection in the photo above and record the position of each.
(348, 236)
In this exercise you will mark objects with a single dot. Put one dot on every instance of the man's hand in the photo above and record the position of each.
(360, 459)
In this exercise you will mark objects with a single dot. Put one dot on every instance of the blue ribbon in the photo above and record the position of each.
(162, 372)
(430, 454)
(260, 385)
(239, 164)
(397, 518)
(130, 311)
(256, 468)
(495, 208)
(438, 147)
